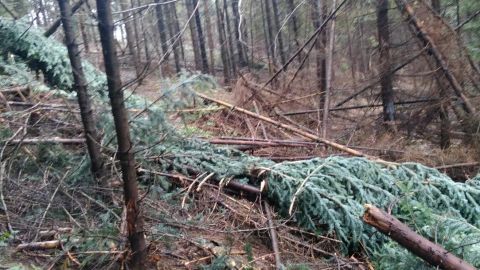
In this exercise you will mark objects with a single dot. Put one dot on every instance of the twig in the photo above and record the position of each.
(273, 236)
(297, 131)
(2, 173)
(40, 223)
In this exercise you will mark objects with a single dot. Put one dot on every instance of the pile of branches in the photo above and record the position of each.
(323, 195)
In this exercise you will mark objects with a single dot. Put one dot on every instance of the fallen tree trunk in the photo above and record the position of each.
(54, 244)
(295, 130)
(423, 36)
(432, 253)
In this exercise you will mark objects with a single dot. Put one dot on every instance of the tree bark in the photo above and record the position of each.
(222, 41)
(318, 16)
(84, 33)
(279, 35)
(194, 34)
(423, 36)
(231, 50)
(127, 17)
(201, 37)
(242, 61)
(294, 24)
(125, 152)
(174, 31)
(270, 37)
(57, 23)
(162, 30)
(385, 62)
(210, 42)
(328, 88)
(434, 254)
(84, 102)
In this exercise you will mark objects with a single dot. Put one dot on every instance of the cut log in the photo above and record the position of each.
(432, 253)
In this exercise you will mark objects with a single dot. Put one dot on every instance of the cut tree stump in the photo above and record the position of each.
(415, 243)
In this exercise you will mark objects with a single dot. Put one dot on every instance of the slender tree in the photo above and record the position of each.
(276, 29)
(125, 149)
(385, 61)
(201, 37)
(130, 34)
(193, 33)
(231, 50)
(294, 23)
(173, 32)
(162, 30)
(210, 42)
(318, 15)
(83, 98)
(222, 40)
(242, 54)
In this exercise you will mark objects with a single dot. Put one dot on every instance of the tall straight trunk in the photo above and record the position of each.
(318, 15)
(270, 30)
(222, 41)
(83, 98)
(125, 153)
(294, 24)
(162, 30)
(385, 61)
(231, 50)
(173, 35)
(277, 30)
(328, 85)
(176, 24)
(144, 34)
(136, 31)
(266, 35)
(242, 55)
(56, 24)
(83, 31)
(201, 37)
(210, 42)
(130, 33)
(194, 34)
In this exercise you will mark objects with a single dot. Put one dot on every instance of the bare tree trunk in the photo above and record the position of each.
(125, 5)
(172, 25)
(270, 37)
(210, 42)
(385, 62)
(320, 45)
(173, 10)
(277, 30)
(162, 30)
(222, 40)
(242, 58)
(86, 111)
(125, 150)
(83, 31)
(328, 85)
(231, 50)
(267, 36)
(294, 25)
(194, 34)
(201, 37)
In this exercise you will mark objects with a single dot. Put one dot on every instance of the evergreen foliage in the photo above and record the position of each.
(329, 193)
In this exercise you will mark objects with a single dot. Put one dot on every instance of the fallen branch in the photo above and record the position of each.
(273, 237)
(432, 253)
(294, 130)
(39, 245)
(48, 140)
